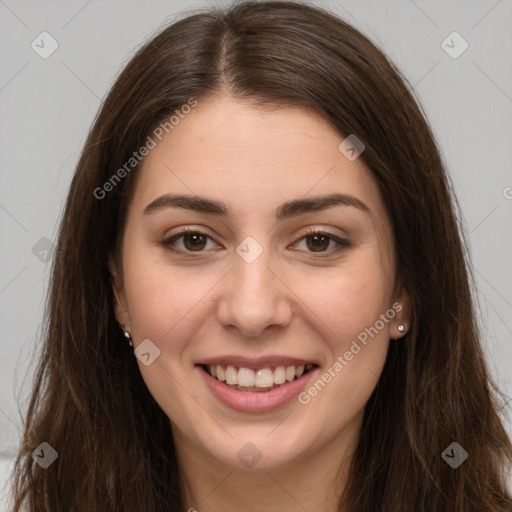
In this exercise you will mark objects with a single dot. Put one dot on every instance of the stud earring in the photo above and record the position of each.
(401, 328)
(127, 335)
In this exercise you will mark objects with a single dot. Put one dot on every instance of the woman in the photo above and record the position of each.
(260, 299)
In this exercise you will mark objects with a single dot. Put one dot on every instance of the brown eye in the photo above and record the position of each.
(194, 241)
(188, 241)
(318, 242)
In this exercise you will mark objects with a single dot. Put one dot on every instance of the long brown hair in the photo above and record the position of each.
(89, 400)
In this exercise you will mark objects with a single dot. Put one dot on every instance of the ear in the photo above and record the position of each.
(119, 297)
(402, 307)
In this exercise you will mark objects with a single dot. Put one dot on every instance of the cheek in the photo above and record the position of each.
(350, 298)
(351, 306)
(167, 303)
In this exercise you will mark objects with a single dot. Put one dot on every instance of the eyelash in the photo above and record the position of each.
(342, 243)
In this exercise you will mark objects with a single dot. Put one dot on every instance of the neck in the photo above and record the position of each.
(311, 482)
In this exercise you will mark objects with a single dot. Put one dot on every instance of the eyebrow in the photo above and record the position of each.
(287, 210)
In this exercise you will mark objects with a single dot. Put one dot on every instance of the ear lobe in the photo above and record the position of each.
(119, 298)
(403, 315)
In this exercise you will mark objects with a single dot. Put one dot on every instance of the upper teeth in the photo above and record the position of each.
(263, 378)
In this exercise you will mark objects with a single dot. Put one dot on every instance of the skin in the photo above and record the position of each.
(293, 299)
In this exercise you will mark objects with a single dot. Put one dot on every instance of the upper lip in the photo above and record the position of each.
(256, 363)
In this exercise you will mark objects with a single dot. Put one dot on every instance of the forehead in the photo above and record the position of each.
(252, 159)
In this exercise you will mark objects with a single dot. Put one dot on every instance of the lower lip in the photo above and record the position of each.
(256, 401)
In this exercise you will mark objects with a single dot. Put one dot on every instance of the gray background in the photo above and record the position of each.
(48, 105)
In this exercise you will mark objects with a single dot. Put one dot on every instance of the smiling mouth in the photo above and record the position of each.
(263, 379)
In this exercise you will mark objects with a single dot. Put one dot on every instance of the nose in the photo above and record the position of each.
(254, 298)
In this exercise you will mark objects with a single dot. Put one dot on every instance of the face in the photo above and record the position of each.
(256, 277)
